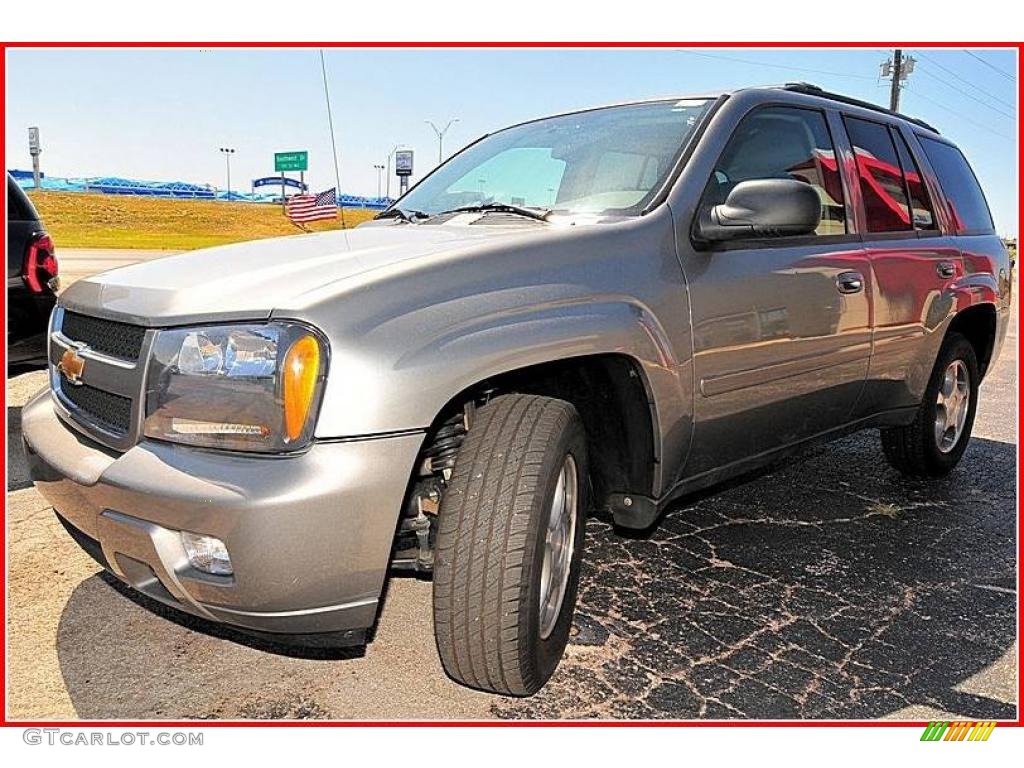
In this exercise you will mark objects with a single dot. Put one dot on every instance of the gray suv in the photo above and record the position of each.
(608, 309)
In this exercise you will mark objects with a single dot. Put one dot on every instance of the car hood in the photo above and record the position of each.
(249, 280)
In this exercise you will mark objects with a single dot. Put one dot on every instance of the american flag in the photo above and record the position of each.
(312, 207)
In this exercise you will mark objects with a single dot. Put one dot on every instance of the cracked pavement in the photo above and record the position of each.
(790, 598)
(827, 587)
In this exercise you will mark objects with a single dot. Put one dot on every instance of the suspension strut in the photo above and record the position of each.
(414, 545)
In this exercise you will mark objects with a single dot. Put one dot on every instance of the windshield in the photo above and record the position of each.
(609, 160)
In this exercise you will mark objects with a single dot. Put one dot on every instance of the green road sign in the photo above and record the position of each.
(291, 161)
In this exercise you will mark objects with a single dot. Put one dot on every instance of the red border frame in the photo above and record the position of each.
(4, 722)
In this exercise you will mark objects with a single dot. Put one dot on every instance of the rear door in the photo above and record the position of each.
(912, 262)
(782, 327)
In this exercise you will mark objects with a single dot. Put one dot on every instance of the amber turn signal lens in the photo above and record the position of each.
(301, 368)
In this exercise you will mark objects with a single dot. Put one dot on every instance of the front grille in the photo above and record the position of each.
(111, 412)
(107, 337)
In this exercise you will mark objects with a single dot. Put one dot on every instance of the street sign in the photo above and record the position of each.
(403, 162)
(291, 161)
(277, 181)
(33, 141)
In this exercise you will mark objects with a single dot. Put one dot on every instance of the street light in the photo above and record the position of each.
(387, 175)
(380, 169)
(228, 152)
(440, 137)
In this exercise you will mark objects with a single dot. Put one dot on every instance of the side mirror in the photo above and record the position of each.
(762, 208)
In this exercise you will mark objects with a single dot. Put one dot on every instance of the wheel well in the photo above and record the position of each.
(978, 325)
(610, 395)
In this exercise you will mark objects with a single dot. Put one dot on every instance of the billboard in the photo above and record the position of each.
(403, 162)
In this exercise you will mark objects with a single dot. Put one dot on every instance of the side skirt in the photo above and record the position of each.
(637, 512)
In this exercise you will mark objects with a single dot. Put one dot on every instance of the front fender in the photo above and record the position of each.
(405, 388)
(409, 338)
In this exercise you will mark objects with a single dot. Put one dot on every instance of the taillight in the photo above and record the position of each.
(40, 264)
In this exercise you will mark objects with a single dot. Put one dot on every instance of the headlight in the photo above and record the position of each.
(242, 387)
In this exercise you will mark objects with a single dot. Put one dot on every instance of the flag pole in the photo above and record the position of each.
(334, 146)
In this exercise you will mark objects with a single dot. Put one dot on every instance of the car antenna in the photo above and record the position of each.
(334, 148)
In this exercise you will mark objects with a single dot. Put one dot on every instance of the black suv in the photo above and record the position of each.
(31, 279)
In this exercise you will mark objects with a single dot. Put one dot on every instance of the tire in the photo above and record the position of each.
(490, 557)
(917, 450)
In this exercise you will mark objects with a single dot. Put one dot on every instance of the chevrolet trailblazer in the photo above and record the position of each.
(606, 309)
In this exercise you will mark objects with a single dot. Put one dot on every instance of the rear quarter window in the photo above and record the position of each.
(967, 207)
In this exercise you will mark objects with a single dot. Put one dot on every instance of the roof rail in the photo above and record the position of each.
(814, 90)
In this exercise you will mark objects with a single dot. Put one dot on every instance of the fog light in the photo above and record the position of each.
(207, 554)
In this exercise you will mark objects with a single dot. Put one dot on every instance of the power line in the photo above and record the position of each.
(969, 95)
(965, 81)
(962, 116)
(993, 67)
(775, 66)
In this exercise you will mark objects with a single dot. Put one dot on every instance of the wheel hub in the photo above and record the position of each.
(559, 544)
(952, 404)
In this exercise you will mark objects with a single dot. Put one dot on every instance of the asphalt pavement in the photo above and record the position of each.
(827, 587)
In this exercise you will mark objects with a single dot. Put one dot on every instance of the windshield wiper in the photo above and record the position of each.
(540, 214)
(397, 213)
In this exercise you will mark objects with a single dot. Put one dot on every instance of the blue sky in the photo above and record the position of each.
(162, 114)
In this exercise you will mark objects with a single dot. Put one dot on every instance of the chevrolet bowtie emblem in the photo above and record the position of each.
(72, 365)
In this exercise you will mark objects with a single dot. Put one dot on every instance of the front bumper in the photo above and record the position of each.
(309, 535)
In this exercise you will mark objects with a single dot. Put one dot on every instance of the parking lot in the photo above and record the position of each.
(827, 587)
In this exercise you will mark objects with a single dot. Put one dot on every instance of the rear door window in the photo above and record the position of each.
(967, 207)
(882, 186)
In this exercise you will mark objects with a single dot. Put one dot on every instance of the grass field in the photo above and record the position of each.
(78, 220)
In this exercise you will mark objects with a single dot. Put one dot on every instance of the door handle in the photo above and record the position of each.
(850, 282)
(946, 269)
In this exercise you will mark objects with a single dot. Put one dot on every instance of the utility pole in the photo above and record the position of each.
(897, 68)
(380, 171)
(228, 152)
(440, 137)
(897, 72)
